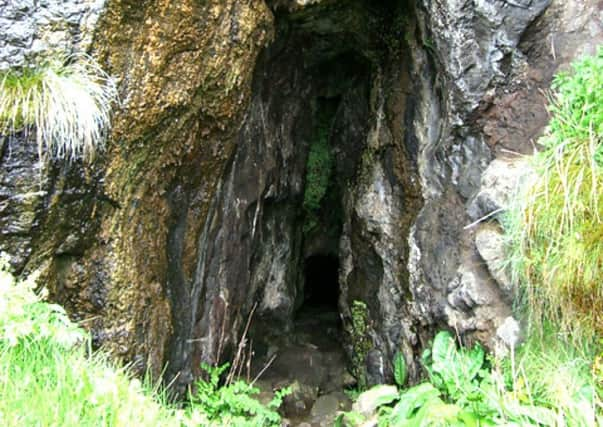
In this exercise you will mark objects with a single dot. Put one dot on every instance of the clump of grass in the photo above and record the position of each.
(49, 376)
(555, 371)
(65, 104)
(557, 225)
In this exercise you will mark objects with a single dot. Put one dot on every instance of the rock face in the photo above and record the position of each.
(253, 136)
(34, 30)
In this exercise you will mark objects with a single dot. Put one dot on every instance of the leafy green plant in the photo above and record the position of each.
(400, 370)
(450, 369)
(466, 389)
(66, 103)
(25, 317)
(234, 404)
(50, 376)
(556, 227)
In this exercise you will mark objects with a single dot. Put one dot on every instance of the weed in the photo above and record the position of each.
(67, 104)
(234, 403)
(555, 372)
(551, 387)
(50, 376)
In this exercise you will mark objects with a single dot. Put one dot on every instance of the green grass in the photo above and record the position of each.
(556, 372)
(556, 227)
(42, 384)
(555, 231)
(66, 105)
(49, 376)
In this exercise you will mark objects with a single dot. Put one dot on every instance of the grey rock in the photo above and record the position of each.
(23, 192)
(44, 30)
(20, 34)
(499, 183)
(490, 243)
(301, 399)
(325, 409)
(368, 401)
(509, 335)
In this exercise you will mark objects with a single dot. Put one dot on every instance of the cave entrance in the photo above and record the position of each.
(321, 286)
(307, 139)
(317, 321)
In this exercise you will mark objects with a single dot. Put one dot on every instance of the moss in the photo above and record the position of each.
(361, 341)
(319, 166)
(318, 172)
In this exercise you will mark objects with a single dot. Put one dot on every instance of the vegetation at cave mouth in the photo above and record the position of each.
(49, 376)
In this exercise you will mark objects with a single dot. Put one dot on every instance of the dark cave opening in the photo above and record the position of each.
(321, 282)
(312, 136)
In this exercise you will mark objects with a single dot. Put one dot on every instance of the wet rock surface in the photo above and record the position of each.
(34, 30)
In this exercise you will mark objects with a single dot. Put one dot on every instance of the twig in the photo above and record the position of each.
(249, 356)
(240, 347)
(485, 217)
(221, 339)
(266, 366)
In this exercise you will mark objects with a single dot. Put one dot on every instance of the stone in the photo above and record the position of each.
(20, 34)
(367, 402)
(46, 30)
(326, 408)
(499, 183)
(509, 333)
(348, 380)
(300, 401)
(468, 292)
(490, 243)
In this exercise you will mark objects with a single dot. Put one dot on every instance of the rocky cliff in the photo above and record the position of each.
(252, 136)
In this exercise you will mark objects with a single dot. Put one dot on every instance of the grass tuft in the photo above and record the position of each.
(555, 371)
(50, 377)
(556, 228)
(65, 104)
